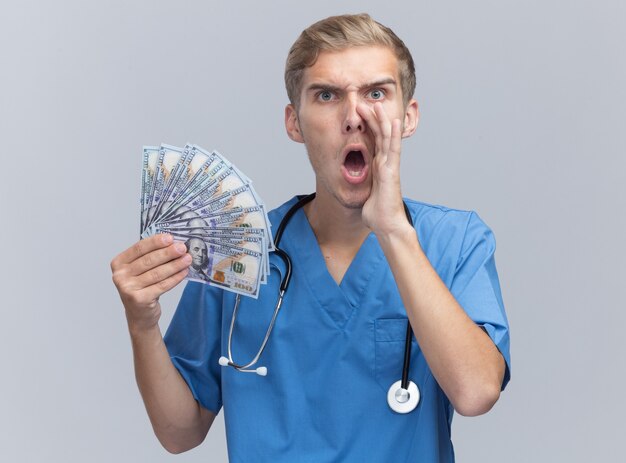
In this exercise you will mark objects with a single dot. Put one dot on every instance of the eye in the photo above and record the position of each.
(325, 95)
(376, 94)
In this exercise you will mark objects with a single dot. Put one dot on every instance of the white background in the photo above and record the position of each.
(523, 108)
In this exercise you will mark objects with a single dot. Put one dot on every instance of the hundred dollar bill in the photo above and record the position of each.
(253, 243)
(202, 164)
(204, 188)
(148, 173)
(251, 238)
(254, 217)
(167, 159)
(243, 234)
(239, 197)
(241, 175)
(226, 179)
(175, 178)
(248, 199)
(206, 231)
(227, 267)
(236, 232)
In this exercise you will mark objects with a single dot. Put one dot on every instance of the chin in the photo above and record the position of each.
(354, 199)
(354, 204)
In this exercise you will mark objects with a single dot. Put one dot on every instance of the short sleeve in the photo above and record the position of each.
(477, 289)
(193, 342)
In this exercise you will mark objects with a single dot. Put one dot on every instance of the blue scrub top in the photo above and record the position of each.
(335, 349)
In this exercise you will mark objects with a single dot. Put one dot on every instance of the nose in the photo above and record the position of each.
(353, 121)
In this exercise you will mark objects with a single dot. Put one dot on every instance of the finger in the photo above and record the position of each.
(385, 125)
(157, 257)
(368, 114)
(141, 248)
(395, 144)
(161, 273)
(164, 286)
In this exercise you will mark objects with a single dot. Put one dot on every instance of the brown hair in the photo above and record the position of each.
(337, 33)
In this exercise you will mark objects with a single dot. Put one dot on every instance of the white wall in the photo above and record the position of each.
(523, 107)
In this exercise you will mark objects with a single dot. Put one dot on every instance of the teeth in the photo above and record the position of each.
(354, 173)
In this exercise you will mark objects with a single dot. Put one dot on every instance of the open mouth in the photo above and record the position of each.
(355, 166)
(354, 163)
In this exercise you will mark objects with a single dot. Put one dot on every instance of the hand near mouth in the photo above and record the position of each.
(383, 212)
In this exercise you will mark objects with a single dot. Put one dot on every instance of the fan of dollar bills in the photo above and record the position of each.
(203, 200)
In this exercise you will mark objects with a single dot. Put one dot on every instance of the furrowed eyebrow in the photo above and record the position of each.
(380, 83)
(327, 87)
(334, 88)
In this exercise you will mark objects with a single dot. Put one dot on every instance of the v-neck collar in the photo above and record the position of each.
(339, 301)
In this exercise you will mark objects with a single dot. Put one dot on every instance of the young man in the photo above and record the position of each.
(360, 270)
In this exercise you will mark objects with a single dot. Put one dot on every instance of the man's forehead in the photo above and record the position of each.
(352, 66)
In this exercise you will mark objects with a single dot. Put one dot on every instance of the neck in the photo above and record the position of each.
(334, 224)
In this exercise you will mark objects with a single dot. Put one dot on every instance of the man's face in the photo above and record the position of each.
(197, 250)
(329, 121)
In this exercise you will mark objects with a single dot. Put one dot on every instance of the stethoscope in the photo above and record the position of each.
(403, 395)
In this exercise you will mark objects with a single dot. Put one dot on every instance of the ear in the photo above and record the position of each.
(292, 125)
(411, 118)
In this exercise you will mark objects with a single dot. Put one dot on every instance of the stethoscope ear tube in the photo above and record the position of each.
(284, 284)
(228, 361)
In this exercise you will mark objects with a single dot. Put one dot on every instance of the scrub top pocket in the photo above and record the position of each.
(390, 334)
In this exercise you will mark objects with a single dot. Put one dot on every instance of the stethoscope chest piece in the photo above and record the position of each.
(403, 400)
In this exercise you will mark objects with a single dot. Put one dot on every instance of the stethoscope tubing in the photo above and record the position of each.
(284, 285)
(409, 331)
(406, 387)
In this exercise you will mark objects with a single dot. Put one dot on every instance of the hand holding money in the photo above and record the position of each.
(145, 271)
